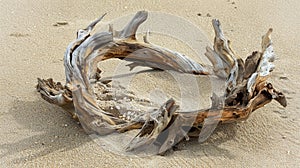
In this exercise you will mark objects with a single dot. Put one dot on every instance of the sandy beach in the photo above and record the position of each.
(35, 133)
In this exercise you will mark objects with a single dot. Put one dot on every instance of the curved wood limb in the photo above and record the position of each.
(246, 85)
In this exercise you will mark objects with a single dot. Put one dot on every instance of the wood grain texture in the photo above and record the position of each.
(246, 83)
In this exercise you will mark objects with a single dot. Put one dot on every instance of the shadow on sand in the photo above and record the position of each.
(49, 129)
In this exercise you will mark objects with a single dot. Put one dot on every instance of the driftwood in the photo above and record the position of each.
(246, 85)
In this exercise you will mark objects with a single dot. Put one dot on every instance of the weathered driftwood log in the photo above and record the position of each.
(246, 83)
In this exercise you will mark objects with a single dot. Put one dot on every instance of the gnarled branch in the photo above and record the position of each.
(247, 88)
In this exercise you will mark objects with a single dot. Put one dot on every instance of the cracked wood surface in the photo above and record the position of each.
(247, 88)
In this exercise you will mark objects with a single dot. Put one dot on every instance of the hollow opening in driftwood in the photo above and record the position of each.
(150, 84)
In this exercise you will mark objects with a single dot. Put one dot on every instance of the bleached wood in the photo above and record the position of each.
(246, 90)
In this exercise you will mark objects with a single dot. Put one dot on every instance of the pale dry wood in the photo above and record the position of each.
(246, 85)
(243, 94)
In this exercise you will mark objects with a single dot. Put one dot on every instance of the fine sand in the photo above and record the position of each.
(35, 133)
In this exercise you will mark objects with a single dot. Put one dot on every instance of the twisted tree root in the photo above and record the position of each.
(246, 90)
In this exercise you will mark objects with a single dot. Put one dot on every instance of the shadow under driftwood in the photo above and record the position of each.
(212, 146)
(50, 129)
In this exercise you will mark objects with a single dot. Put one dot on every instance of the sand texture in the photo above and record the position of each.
(34, 36)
